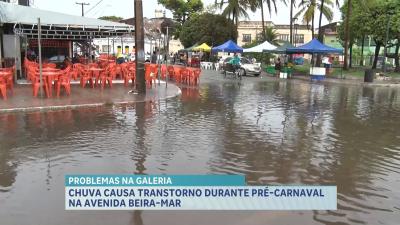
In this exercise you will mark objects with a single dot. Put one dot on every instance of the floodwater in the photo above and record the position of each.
(273, 132)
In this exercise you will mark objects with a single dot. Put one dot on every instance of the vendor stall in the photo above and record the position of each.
(265, 46)
(228, 46)
(315, 47)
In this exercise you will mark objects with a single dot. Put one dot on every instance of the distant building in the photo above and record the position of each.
(331, 35)
(154, 39)
(249, 31)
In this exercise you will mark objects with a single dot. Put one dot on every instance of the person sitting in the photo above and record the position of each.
(235, 61)
(120, 58)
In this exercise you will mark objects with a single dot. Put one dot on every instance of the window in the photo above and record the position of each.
(246, 37)
(283, 37)
(299, 38)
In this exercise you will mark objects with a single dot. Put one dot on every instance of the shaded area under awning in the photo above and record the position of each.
(22, 20)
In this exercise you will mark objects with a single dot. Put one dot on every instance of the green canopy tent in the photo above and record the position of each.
(281, 49)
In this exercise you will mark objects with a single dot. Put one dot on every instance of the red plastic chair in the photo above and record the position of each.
(129, 74)
(185, 75)
(3, 87)
(196, 76)
(85, 78)
(64, 80)
(106, 76)
(170, 70)
(49, 65)
(164, 72)
(36, 85)
(177, 74)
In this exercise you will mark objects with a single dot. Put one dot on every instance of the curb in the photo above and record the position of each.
(78, 106)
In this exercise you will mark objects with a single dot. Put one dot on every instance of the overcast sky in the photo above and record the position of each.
(125, 9)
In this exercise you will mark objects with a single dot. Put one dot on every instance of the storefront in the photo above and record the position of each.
(60, 34)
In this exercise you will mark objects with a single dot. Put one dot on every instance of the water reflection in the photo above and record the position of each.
(272, 132)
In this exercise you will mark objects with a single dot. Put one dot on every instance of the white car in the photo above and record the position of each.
(246, 66)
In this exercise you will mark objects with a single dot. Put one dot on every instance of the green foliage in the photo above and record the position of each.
(111, 18)
(182, 9)
(308, 8)
(370, 17)
(237, 8)
(209, 28)
(271, 36)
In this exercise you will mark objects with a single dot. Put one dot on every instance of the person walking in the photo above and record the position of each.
(278, 66)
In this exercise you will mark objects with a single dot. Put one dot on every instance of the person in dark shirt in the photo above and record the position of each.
(154, 58)
(278, 66)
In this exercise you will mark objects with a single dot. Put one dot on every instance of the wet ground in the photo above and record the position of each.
(21, 98)
(274, 132)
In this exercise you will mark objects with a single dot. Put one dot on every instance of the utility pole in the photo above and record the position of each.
(291, 21)
(139, 42)
(82, 4)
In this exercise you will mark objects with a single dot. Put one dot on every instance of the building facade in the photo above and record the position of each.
(249, 31)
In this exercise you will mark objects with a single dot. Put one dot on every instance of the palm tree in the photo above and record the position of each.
(322, 12)
(237, 8)
(292, 2)
(271, 36)
(269, 4)
(346, 35)
(308, 9)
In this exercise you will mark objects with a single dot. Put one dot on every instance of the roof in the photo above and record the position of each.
(314, 46)
(281, 49)
(261, 47)
(17, 14)
(203, 47)
(228, 46)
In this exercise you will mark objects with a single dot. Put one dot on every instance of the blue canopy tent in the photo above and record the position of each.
(315, 47)
(228, 46)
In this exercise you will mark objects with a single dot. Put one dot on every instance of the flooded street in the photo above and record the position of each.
(273, 132)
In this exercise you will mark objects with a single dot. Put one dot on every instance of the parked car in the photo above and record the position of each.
(57, 59)
(246, 66)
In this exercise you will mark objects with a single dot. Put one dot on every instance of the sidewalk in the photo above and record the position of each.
(22, 100)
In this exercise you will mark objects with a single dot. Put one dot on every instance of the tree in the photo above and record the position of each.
(182, 9)
(269, 5)
(209, 28)
(347, 36)
(323, 12)
(111, 18)
(372, 18)
(237, 8)
(271, 36)
(308, 8)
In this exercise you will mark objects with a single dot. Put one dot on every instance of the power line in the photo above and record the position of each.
(82, 4)
(94, 6)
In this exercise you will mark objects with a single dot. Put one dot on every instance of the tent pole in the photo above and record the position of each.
(40, 57)
(108, 47)
(166, 61)
(16, 57)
